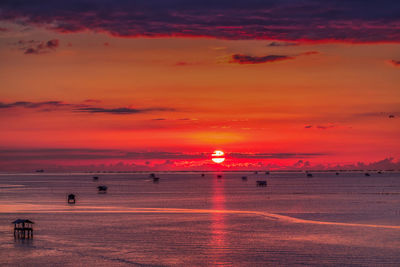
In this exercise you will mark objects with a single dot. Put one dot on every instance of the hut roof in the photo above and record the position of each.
(22, 221)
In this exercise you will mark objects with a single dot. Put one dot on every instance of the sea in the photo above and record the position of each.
(186, 219)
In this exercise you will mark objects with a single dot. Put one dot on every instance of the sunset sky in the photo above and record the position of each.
(162, 84)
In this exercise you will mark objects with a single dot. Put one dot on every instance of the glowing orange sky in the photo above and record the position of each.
(335, 102)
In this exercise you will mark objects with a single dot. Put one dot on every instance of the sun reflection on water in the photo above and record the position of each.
(218, 222)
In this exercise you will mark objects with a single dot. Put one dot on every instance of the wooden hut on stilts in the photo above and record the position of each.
(23, 229)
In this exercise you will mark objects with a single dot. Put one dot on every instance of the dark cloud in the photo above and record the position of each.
(119, 110)
(377, 114)
(244, 59)
(278, 44)
(84, 108)
(321, 127)
(94, 154)
(26, 104)
(91, 154)
(274, 155)
(37, 47)
(302, 20)
(395, 63)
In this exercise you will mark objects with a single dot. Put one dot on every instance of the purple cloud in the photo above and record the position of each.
(305, 20)
(49, 106)
(121, 111)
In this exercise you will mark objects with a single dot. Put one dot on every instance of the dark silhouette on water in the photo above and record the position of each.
(219, 176)
(95, 178)
(202, 175)
(102, 189)
(152, 175)
(367, 174)
(244, 178)
(71, 199)
(267, 172)
(337, 173)
(309, 175)
(23, 228)
(156, 179)
(261, 183)
(41, 170)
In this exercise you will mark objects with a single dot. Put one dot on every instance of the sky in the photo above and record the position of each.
(160, 85)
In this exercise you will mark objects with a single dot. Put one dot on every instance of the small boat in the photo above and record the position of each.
(202, 175)
(337, 173)
(309, 175)
(152, 175)
(219, 176)
(267, 172)
(367, 174)
(95, 178)
(156, 179)
(261, 183)
(244, 178)
(102, 189)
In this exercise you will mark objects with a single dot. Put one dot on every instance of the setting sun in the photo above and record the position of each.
(218, 156)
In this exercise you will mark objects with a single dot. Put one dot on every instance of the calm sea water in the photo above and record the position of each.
(189, 220)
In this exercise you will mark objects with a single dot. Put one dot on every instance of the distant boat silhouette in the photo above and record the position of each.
(267, 172)
(41, 170)
(202, 175)
(261, 183)
(102, 189)
(379, 172)
(367, 174)
(337, 173)
(156, 179)
(95, 178)
(256, 172)
(309, 175)
(152, 175)
(219, 176)
(244, 178)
